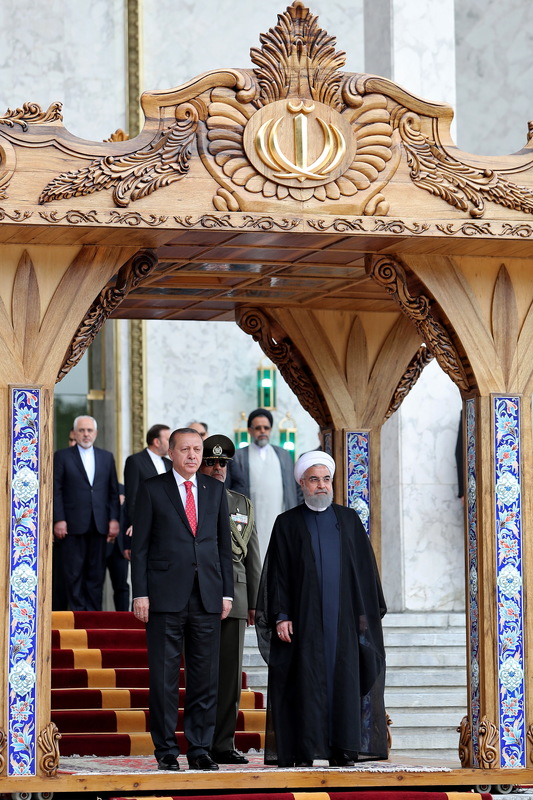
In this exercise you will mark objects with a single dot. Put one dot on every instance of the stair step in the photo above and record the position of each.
(448, 718)
(425, 697)
(397, 676)
(433, 658)
(135, 721)
(423, 639)
(420, 619)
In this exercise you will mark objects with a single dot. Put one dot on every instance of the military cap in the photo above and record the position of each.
(218, 446)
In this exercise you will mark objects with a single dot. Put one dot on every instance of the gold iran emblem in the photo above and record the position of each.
(299, 142)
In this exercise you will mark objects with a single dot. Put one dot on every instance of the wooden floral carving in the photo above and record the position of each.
(412, 374)
(286, 357)
(48, 741)
(31, 113)
(128, 277)
(488, 744)
(162, 162)
(389, 272)
(465, 742)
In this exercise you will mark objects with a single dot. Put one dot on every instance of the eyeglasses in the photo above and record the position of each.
(210, 462)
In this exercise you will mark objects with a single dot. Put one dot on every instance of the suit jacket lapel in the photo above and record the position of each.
(202, 497)
(150, 466)
(79, 463)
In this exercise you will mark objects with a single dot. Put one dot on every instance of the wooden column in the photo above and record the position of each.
(478, 318)
(364, 364)
(44, 294)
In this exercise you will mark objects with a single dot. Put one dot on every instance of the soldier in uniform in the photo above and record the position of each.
(218, 450)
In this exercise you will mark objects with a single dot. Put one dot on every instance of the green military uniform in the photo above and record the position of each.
(246, 575)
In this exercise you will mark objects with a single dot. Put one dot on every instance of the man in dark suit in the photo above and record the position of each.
(145, 464)
(218, 452)
(182, 587)
(86, 514)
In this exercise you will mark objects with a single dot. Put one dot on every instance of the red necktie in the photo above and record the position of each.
(190, 508)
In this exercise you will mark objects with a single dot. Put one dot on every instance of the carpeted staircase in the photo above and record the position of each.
(100, 688)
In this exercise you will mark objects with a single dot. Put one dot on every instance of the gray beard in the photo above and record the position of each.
(319, 502)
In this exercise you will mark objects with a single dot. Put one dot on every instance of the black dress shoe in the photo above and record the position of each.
(304, 764)
(168, 762)
(203, 761)
(341, 760)
(228, 757)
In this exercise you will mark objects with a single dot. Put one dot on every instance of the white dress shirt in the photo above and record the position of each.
(87, 457)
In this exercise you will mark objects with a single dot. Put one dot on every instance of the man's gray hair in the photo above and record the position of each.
(84, 416)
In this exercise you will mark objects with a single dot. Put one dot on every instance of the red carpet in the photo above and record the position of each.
(100, 688)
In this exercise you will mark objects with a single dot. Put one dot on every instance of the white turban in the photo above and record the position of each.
(310, 459)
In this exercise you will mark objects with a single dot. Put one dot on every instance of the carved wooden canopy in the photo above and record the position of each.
(266, 185)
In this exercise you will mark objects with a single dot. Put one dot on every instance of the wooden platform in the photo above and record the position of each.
(267, 779)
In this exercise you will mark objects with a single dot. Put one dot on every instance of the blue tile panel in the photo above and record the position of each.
(23, 580)
(509, 583)
(358, 474)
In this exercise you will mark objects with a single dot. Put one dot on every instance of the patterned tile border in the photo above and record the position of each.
(358, 474)
(509, 583)
(23, 589)
(473, 618)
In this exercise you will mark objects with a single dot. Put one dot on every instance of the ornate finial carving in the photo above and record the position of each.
(389, 732)
(488, 744)
(529, 131)
(287, 358)
(32, 113)
(417, 364)
(129, 276)
(48, 741)
(390, 274)
(465, 742)
(118, 136)
(298, 59)
(162, 162)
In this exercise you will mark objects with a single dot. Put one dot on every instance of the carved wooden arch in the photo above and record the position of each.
(282, 352)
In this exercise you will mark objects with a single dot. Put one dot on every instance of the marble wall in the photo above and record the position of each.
(69, 52)
(494, 75)
(420, 498)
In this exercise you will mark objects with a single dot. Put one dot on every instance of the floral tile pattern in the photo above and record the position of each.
(509, 582)
(25, 422)
(358, 474)
(473, 617)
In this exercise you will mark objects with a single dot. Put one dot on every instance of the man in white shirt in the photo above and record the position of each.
(86, 514)
(264, 473)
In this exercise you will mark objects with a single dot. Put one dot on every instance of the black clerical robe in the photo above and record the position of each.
(319, 701)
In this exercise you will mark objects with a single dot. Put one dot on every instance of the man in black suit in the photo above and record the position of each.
(86, 514)
(145, 464)
(182, 581)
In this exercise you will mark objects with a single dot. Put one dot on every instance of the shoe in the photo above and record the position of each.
(341, 760)
(228, 757)
(304, 764)
(168, 762)
(203, 761)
